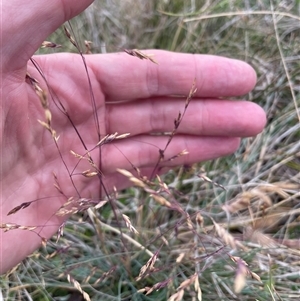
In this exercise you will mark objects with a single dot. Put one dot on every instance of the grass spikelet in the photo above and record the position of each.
(77, 285)
(180, 154)
(106, 275)
(137, 182)
(139, 54)
(186, 283)
(89, 174)
(207, 179)
(177, 296)
(148, 267)
(183, 285)
(240, 276)
(16, 209)
(227, 237)
(180, 257)
(161, 200)
(198, 289)
(88, 48)
(111, 137)
(129, 224)
(60, 231)
(157, 286)
(189, 221)
(70, 37)
(74, 205)
(47, 44)
(242, 272)
(9, 226)
(200, 220)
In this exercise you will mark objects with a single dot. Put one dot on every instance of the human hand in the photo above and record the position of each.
(131, 96)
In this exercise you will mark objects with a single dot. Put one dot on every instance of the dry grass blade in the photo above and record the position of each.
(256, 236)
(283, 60)
(242, 13)
(244, 199)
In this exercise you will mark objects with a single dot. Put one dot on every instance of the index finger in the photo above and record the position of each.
(123, 77)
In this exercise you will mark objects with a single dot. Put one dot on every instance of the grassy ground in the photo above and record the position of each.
(242, 243)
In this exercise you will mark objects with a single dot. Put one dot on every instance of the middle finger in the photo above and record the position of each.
(203, 117)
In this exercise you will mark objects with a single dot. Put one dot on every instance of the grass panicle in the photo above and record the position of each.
(226, 229)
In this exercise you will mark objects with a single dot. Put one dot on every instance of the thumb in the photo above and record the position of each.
(26, 24)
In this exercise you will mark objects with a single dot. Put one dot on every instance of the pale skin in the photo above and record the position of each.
(211, 128)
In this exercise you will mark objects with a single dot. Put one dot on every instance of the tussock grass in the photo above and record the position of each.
(227, 229)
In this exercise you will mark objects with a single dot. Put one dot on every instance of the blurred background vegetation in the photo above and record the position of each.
(260, 207)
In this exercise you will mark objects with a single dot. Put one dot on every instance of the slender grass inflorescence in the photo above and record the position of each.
(227, 229)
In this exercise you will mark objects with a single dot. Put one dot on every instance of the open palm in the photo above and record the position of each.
(131, 96)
